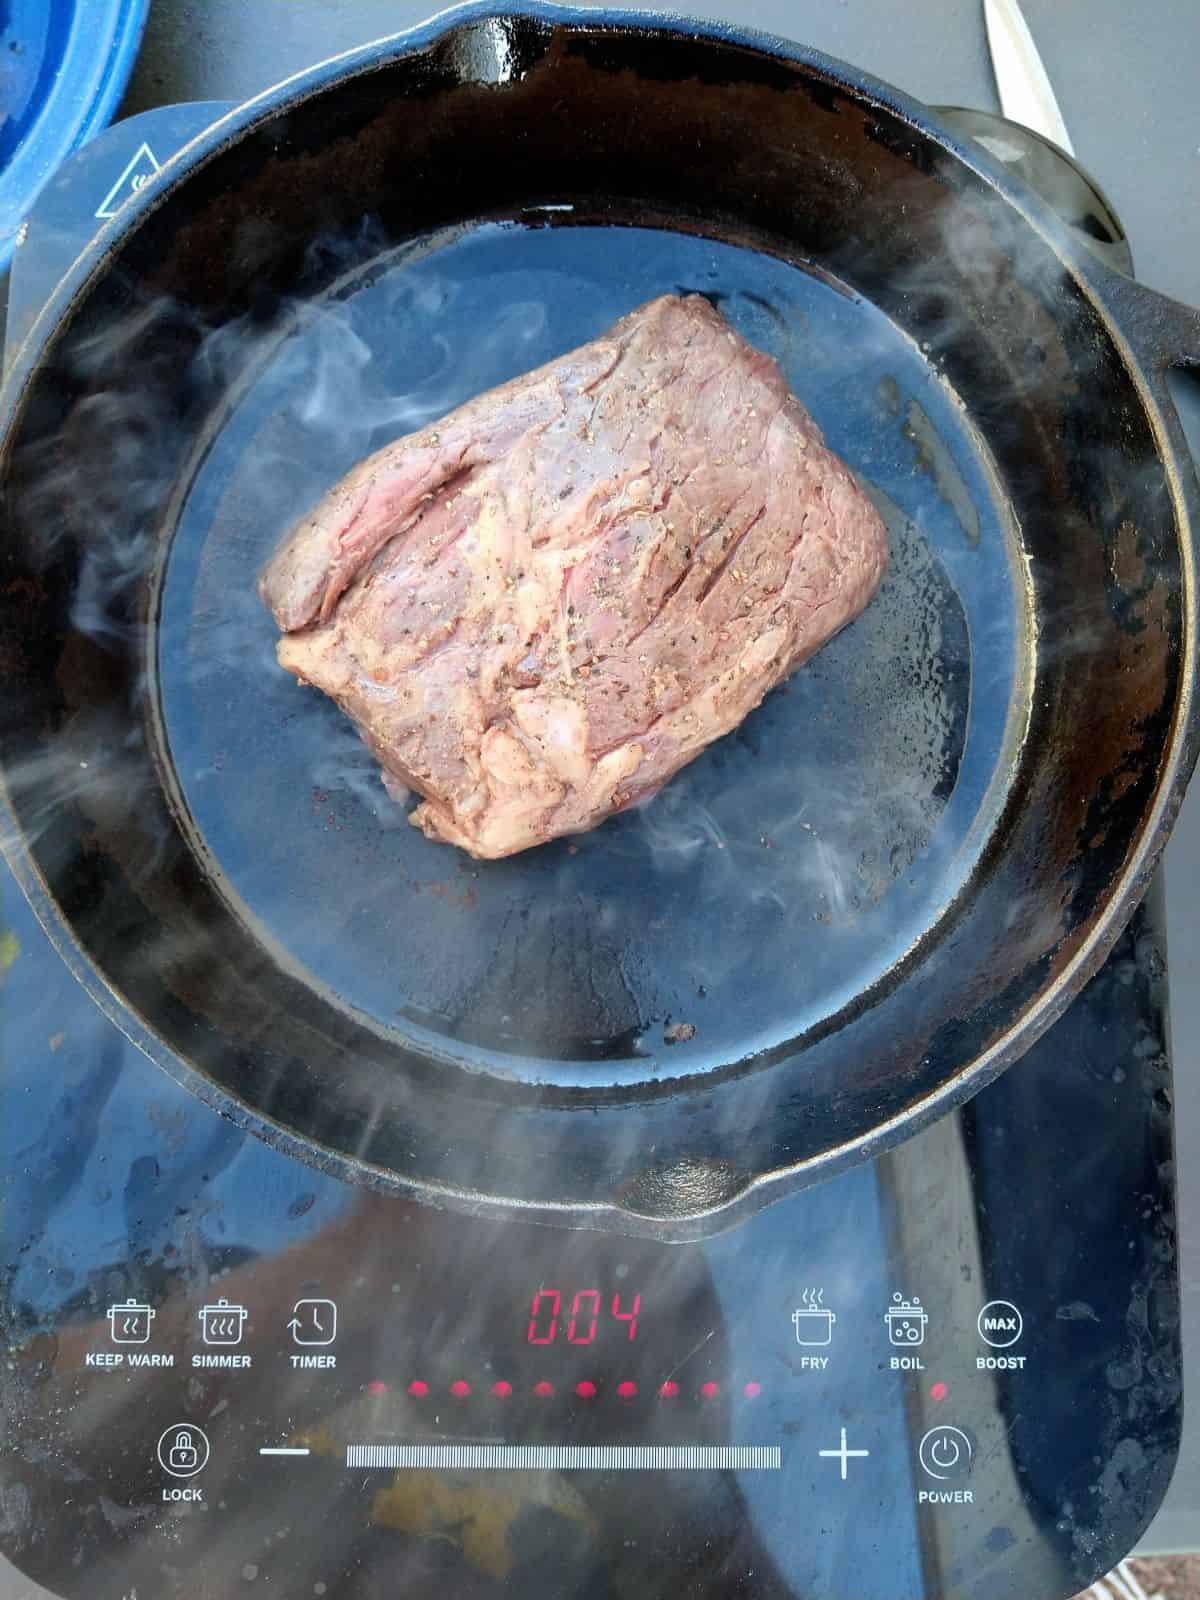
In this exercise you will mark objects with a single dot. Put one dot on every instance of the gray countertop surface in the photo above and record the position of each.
(1126, 81)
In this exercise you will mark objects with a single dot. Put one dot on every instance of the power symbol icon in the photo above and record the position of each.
(946, 1453)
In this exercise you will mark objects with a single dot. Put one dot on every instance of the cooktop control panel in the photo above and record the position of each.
(953, 1372)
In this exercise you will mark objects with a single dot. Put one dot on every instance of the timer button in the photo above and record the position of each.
(946, 1453)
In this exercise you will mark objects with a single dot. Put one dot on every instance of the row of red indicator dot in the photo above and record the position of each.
(585, 1390)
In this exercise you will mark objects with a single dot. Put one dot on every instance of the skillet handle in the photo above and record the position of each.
(1163, 332)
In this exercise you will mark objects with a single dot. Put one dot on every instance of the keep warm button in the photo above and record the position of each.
(945, 1454)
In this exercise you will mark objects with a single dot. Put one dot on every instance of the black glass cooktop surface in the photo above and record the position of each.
(954, 1372)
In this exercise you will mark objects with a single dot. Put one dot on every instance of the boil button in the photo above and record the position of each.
(946, 1453)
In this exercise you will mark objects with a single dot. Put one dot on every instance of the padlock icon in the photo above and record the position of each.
(183, 1450)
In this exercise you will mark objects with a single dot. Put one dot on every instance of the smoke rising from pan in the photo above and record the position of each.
(737, 901)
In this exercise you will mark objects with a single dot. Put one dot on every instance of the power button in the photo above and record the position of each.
(946, 1454)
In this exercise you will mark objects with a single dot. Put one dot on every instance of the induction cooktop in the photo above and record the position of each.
(953, 1372)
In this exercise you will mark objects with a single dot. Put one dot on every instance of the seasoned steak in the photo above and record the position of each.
(540, 608)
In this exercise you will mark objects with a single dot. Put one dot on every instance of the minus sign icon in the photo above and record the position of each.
(270, 1450)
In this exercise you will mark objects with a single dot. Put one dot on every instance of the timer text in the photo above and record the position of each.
(582, 1321)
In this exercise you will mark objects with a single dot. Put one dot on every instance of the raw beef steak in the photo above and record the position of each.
(540, 608)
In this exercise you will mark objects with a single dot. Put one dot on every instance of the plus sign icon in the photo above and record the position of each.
(843, 1454)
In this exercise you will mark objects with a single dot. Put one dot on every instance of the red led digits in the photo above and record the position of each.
(580, 1330)
(586, 1390)
(417, 1389)
(543, 1390)
(459, 1389)
(545, 1302)
(502, 1390)
(583, 1323)
(627, 1390)
(710, 1390)
(631, 1316)
(669, 1390)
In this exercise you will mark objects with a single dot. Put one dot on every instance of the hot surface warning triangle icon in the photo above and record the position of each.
(139, 169)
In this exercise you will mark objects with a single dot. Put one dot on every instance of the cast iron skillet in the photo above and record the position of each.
(842, 920)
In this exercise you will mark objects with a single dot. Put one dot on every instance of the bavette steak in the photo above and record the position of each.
(539, 609)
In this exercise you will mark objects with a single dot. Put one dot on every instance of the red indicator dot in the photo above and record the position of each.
(416, 1388)
(586, 1390)
(669, 1390)
(938, 1391)
(377, 1388)
(543, 1390)
(752, 1391)
(459, 1389)
(627, 1390)
(710, 1390)
(502, 1390)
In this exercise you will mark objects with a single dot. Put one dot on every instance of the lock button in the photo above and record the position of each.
(183, 1450)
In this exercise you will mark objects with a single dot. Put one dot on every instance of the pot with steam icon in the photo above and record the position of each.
(812, 1321)
(129, 1322)
(222, 1323)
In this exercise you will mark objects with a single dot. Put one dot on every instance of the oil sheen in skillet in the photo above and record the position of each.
(782, 872)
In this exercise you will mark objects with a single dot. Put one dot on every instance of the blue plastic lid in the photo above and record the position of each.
(64, 65)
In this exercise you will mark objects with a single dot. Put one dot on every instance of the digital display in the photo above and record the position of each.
(581, 1322)
(596, 1343)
